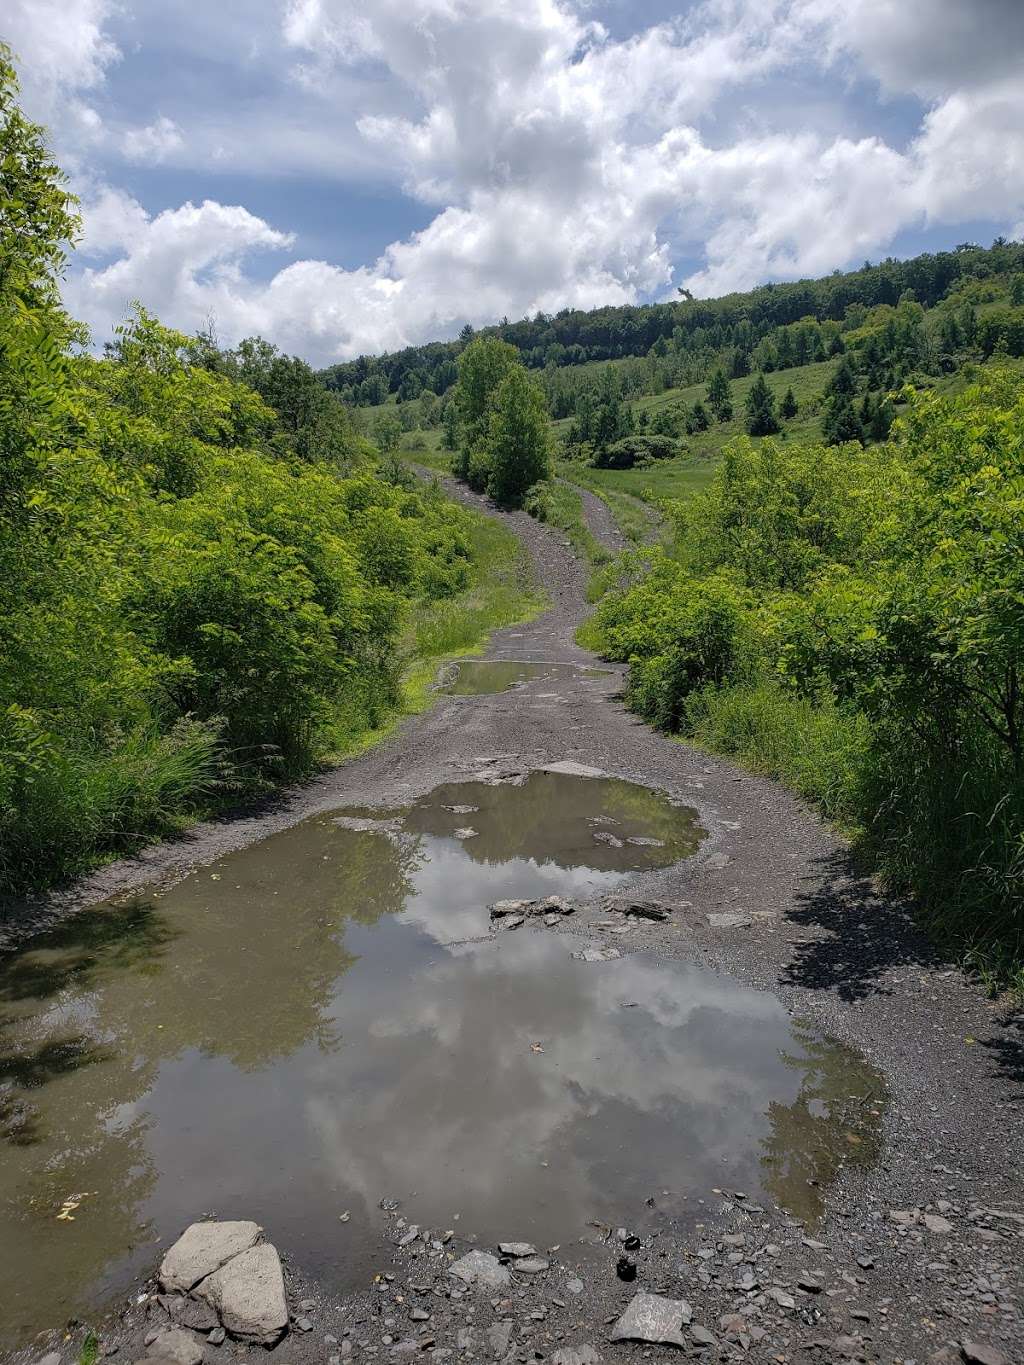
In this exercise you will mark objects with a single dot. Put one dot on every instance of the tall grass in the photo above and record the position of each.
(559, 504)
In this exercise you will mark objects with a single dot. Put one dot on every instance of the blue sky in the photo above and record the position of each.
(346, 177)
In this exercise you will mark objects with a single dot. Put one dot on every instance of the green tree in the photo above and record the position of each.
(789, 407)
(387, 430)
(841, 422)
(518, 438)
(482, 366)
(720, 396)
(697, 419)
(760, 409)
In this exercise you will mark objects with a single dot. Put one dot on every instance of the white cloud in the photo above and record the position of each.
(154, 142)
(60, 44)
(566, 168)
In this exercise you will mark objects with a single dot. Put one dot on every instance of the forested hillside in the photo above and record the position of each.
(207, 579)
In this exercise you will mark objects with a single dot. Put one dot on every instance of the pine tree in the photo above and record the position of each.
(760, 409)
(697, 420)
(789, 407)
(841, 422)
(720, 396)
(843, 383)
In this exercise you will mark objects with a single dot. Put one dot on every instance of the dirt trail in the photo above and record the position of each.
(832, 950)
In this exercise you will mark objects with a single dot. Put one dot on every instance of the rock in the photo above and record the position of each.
(515, 921)
(570, 769)
(216, 1337)
(604, 836)
(532, 1265)
(501, 908)
(551, 920)
(810, 1282)
(574, 1286)
(181, 1347)
(419, 1315)
(598, 955)
(517, 1248)
(248, 1293)
(845, 1345)
(729, 919)
(51, 1358)
(461, 810)
(625, 1269)
(465, 833)
(866, 1262)
(642, 841)
(498, 1337)
(934, 1223)
(700, 1336)
(576, 1355)
(197, 1314)
(651, 1317)
(464, 1339)
(638, 909)
(481, 1269)
(780, 1296)
(408, 1237)
(203, 1248)
(980, 1353)
(303, 1325)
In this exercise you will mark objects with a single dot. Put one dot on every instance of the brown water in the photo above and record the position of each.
(475, 677)
(321, 1021)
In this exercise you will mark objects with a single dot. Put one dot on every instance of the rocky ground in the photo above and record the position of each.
(919, 1257)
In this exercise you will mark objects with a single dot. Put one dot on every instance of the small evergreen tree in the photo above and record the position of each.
(697, 420)
(789, 407)
(843, 383)
(760, 409)
(720, 396)
(841, 422)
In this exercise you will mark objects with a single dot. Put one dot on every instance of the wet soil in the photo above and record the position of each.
(917, 1252)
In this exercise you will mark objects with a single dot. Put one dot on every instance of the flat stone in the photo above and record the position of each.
(303, 1325)
(532, 1265)
(980, 1353)
(51, 1358)
(517, 1248)
(181, 1347)
(570, 769)
(642, 841)
(515, 921)
(700, 1336)
(482, 1269)
(598, 954)
(216, 1337)
(465, 1339)
(651, 1317)
(934, 1223)
(203, 1248)
(604, 836)
(639, 909)
(729, 919)
(780, 1297)
(197, 1314)
(576, 1355)
(466, 833)
(499, 1334)
(508, 907)
(248, 1293)
(574, 1286)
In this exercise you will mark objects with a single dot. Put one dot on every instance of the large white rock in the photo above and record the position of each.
(651, 1317)
(248, 1293)
(481, 1268)
(201, 1249)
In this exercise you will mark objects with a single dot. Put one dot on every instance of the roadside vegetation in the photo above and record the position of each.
(851, 620)
(209, 580)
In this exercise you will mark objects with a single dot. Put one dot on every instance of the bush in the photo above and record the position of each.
(636, 449)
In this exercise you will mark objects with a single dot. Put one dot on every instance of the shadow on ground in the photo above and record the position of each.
(866, 935)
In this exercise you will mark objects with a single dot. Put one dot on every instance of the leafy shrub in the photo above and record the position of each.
(634, 450)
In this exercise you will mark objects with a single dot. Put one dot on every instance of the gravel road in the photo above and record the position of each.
(918, 1258)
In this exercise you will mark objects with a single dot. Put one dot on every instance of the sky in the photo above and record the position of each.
(353, 176)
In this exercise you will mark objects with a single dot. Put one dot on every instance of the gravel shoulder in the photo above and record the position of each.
(915, 1257)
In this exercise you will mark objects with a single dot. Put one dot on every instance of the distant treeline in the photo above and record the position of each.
(685, 334)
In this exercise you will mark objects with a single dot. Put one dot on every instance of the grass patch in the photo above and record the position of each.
(638, 521)
(559, 504)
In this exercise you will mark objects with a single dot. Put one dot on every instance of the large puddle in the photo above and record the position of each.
(321, 1022)
(476, 677)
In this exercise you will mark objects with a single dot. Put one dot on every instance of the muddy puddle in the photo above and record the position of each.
(476, 677)
(323, 1021)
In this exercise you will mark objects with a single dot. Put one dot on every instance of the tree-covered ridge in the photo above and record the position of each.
(773, 326)
(205, 583)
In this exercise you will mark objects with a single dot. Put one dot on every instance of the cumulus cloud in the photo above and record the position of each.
(154, 142)
(565, 167)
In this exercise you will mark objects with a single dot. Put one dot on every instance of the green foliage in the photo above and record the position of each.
(760, 409)
(517, 441)
(200, 593)
(853, 621)
(789, 407)
(720, 396)
(387, 431)
(635, 450)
